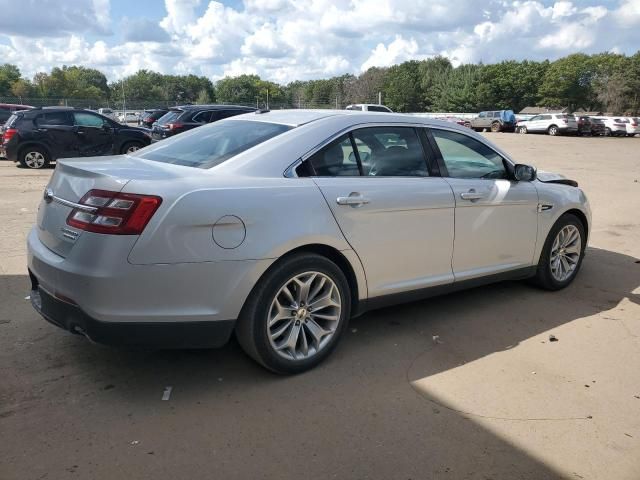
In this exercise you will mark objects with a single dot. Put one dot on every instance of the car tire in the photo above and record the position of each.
(34, 158)
(267, 323)
(607, 132)
(522, 130)
(562, 254)
(495, 127)
(553, 130)
(130, 147)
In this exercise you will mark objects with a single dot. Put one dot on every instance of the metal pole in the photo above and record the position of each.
(124, 103)
(267, 99)
(379, 98)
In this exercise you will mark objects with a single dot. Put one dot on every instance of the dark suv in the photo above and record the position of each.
(36, 137)
(186, 117)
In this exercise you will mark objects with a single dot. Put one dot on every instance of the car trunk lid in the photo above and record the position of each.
(72, 179)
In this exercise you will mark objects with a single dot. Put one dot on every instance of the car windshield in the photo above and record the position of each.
(211, 145)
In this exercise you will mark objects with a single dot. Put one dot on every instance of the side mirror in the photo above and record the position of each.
(524, 173)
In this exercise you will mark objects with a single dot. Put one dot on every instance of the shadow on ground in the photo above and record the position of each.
(356, 416)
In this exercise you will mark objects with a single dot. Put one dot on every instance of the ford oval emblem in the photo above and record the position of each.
(48, 195)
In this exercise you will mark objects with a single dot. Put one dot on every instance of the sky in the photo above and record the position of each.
(286, 40)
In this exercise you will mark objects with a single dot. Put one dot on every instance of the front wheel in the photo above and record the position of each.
(131, 147)
(522, 130)
(562, 253)
(296, 314)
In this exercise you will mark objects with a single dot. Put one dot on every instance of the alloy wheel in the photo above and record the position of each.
(34, 160)
(565, 253)
(304, 315)
(553, 131)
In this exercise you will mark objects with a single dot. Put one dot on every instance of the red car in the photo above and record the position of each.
(7, 109)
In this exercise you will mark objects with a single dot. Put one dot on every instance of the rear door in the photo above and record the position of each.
(396, 216)
(496, 219)
(95, 134)
(55, 130)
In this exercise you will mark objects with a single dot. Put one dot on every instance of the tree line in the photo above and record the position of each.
(606, 81)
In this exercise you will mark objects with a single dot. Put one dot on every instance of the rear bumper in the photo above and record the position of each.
(135, 334)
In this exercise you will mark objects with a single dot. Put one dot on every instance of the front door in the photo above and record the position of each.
(496, 217)
(398, 219)
(94, 133)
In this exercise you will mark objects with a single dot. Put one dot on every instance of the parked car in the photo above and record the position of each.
(186, 117)
(128, 117)
(496, 121)
(36, 137)
(597, 126)
(584, 124)
(368, 107)
(633, 126)
(107, 112)
(272, 226)
(551, 123)
(614, 126)
(149, 117)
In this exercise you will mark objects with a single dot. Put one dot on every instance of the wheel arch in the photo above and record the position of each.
(582, 217)
(343, 259)
(31, 143)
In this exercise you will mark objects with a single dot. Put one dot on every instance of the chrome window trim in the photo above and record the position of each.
(291, 173)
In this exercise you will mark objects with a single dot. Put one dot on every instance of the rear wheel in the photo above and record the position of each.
(296, 314)
(495, 127)
(34, 157)
(562, 253)
(131, 147)
(553, 130)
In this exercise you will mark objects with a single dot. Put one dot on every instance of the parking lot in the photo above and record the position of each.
(465, 386)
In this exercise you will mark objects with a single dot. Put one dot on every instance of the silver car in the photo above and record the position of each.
(280, 226)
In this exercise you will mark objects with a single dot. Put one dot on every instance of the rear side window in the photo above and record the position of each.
(375, 108)
(336, 159)
(202, 117)
(54, 118)
(211, 145)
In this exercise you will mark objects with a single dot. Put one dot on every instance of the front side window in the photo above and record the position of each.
(210, 145)
(466, 157)
(84, 119)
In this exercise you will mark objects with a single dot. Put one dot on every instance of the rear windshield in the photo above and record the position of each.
(169, 117)
(208, 146)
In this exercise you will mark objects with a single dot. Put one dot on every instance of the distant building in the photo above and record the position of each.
(540, 110)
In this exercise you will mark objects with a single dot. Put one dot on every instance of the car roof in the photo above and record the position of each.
(16, 105)
(212, 107)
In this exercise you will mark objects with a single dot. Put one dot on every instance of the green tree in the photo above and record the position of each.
(203, 97)
(402, 87)
(9, 74)
(568, 82)
(21, 88)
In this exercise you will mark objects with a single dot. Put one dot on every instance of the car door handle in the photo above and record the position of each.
(472, 195)
(354, 200)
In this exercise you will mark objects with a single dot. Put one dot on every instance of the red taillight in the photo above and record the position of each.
(8, 134)
(115, 213)
(175, 126)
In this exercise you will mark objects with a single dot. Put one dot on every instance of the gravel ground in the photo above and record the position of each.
(493, 399)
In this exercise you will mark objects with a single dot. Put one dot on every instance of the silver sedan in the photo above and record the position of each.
(280, 226)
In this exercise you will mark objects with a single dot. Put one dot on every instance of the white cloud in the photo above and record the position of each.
(396, 52)
(285, 40)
